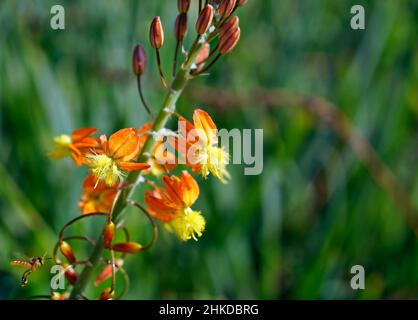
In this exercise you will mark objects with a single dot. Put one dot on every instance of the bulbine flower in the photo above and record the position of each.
(198, 145)
(116, 157)
(75, 145)
(172, 206)
(97, 196)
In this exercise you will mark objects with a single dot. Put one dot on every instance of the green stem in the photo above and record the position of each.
(167, 108)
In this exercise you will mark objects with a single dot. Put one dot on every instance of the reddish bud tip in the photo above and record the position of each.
(107, 294)
(183, 5)
(226, 8)
(70, 274)
(204, 20)
(108, 233)
(106, 273)
(180, 29)
(203, 53)
(127, 247)
(229, 41)
(231, 24)
(67, 252)
(139, 60)
(156, 34)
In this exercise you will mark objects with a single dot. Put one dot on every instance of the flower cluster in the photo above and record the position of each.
(152, 154)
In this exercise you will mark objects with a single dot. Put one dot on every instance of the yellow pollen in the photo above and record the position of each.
(214, 160)
(61, 147)
(190, 224)
(104, 168)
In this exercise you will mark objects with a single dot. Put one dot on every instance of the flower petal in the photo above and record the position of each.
(124, 144)
(82, 133)
(203, 122)
(133, 166)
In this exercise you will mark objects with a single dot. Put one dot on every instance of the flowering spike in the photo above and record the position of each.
(183, 5)
(67, 252)
(156, 34)
(226, 8)
(204, 20)
(180, 29)
(108, 233)
(127, 247)
(139, 60)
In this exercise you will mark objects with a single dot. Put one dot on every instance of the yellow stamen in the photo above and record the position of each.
(61, 147)
(190, 224)
(104, 168)
(214, 160)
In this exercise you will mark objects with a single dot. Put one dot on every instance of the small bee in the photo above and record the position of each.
(32, 263)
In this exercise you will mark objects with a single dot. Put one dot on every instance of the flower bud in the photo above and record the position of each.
(139, 60)
(70, 274)
(203, 53)
(231, 24)
(241, 3)
(229, 41)
(156, 34)
(226, 8)
(59, 296)
(107, 294)
(106, 273)
(67, 252)
(204, 20)
(108, 233)
(180, 28)
(183, 5)
(127, 247)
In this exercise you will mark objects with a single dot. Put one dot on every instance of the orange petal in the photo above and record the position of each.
(172, 187)
(132, 166)
(203, 122)
(82, 133)
(189, 189)
(124, 144)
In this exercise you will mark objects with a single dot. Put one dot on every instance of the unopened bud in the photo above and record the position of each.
(67, 252)
(241, 3)
(231, 24)
(108, 233)
(107, 294)
(180, 28)
(70, 274)
(139, 60)
(127, 247)
(59, 296)
(203, 53)
(106, 273)
(156, 34)
(204, 20)
(183, 5)
(226, 8)
(229, 41)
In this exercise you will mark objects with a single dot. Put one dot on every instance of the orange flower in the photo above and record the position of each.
(171, 205)
(75, 146)
(97, 196)
(198, 145)
(110, 163)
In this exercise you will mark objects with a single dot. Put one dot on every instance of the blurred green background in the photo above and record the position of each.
(292, 232)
